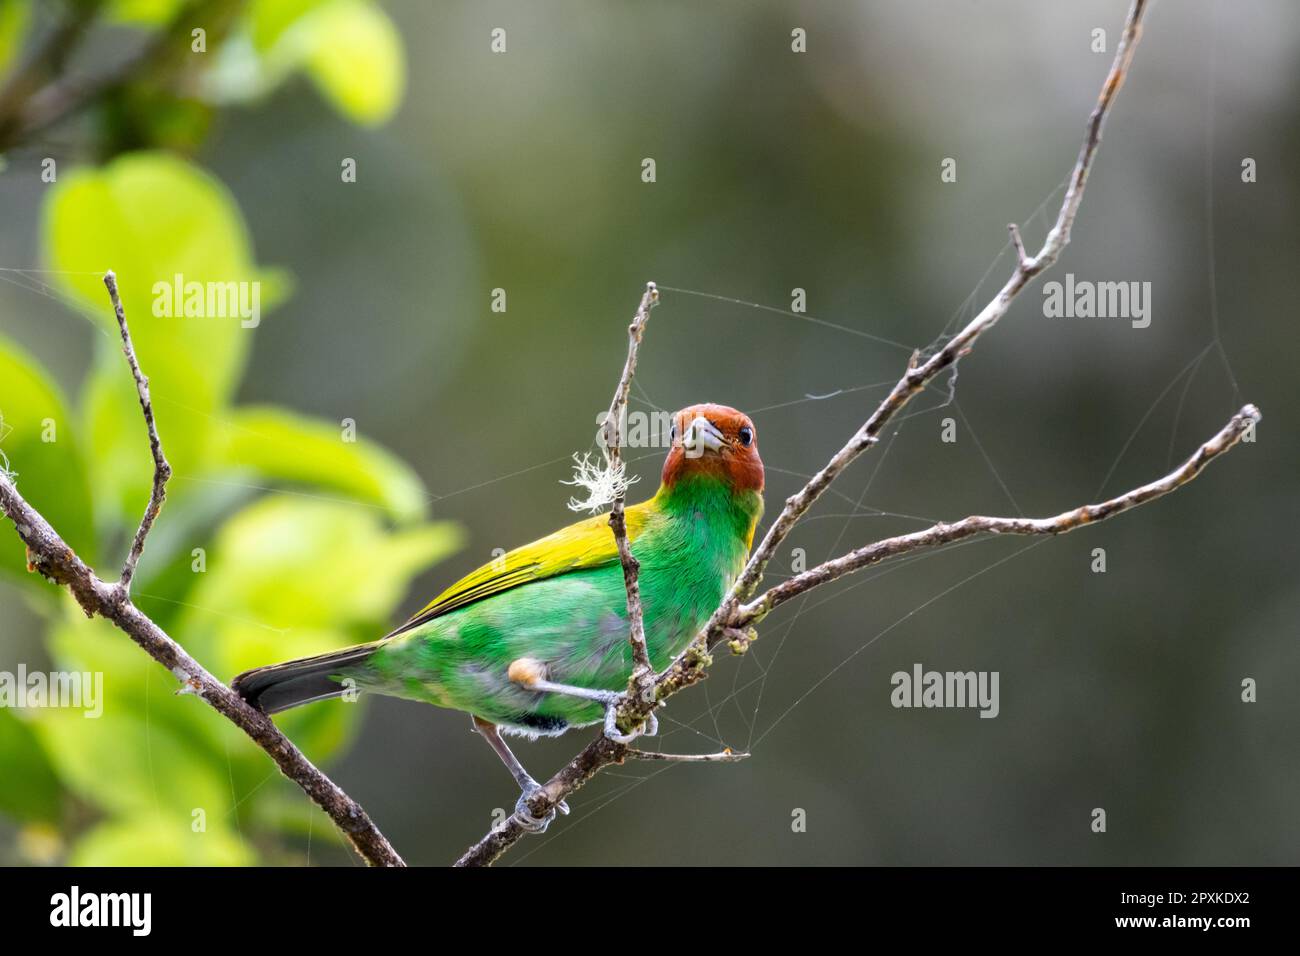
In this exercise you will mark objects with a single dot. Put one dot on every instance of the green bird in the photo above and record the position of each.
(536, 642)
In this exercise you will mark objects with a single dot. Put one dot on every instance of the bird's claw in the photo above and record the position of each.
(528, 820)
(647, 729)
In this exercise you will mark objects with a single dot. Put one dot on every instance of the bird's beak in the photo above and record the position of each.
(701, 436)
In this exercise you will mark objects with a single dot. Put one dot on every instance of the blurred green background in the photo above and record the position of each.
(775, 170)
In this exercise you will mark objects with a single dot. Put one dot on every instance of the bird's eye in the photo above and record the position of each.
(672, 433)
(746, 435)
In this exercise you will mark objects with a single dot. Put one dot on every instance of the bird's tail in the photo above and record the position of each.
(281, 686)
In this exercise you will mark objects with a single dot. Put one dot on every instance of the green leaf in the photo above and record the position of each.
(355, 56)
(155, 841)
(149, 749)
(143, 691)
(14, 17)
(281, 445)
(302, 572)
(127, 764)
(32, 789)
(290, 576)
(269, 19)
(134, 683)
(153, 218)
(142, 12)
(350, 49)
(38, 440)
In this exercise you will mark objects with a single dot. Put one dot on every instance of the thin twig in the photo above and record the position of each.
(948, 533)
(603, 752)
(642, 680)
(725, 756)
(919, 374)
(1018, 244)
(48, 554)
(690, 666)
(162, 471)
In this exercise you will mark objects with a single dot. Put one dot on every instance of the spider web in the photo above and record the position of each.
(755, 670)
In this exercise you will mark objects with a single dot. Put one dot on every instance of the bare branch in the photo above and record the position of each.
(593, 758)
(945, 533)
(725, 756)
(642, 681)
(919, 374)
(48, 554)
(161, 470)
(689, 669)
(725, 622)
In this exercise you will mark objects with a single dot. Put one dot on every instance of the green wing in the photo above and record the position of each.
(585, 544)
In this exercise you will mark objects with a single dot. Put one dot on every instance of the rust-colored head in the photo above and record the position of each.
(714, 439)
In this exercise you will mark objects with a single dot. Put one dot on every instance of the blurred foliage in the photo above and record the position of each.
(37, 430)
(348, 48)
(14, 16)
(318, 561)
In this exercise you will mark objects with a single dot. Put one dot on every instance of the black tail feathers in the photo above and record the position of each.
(282, 686)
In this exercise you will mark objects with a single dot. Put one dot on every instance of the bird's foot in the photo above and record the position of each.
(647, 729)
(530, 821)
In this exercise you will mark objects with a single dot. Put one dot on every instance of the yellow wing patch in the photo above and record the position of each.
(585, 544)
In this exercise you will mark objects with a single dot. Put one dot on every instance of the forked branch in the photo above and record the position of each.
(162, 471)
(642, 680)
(949, 533)
(733, 616)
(48, 554)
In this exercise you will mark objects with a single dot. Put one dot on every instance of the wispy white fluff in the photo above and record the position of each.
(601, 481)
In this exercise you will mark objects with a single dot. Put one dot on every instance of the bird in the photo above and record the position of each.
(536, 642)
